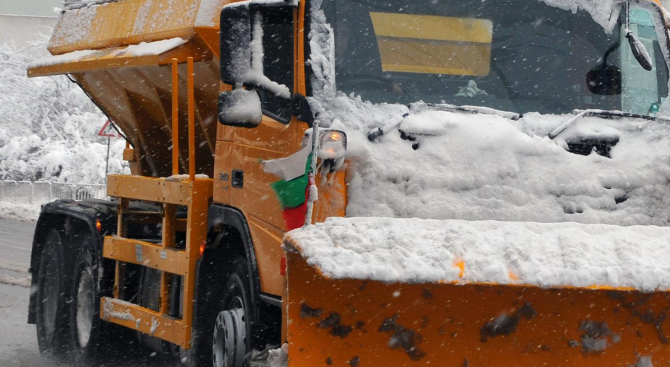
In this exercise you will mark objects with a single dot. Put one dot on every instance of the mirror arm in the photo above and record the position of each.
(302, 110)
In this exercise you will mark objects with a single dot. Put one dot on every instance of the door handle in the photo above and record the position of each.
(237, 179)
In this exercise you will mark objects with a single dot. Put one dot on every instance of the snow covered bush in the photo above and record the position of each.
(48, 126)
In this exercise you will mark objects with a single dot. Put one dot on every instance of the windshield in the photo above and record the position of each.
(513, 55)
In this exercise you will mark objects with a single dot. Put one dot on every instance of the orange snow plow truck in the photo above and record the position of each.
(366, 183)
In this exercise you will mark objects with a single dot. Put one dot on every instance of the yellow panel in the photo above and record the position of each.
(433, 44)
(268, 255)
(430, 27)
(419, 56)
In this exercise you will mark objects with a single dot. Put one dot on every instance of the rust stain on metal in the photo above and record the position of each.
(402, 337)
(596, 335)
(506, 324)
(334, 323)
(306, 311)
(426, 294)
(647, 316)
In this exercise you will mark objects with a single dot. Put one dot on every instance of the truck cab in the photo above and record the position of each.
(190, 255)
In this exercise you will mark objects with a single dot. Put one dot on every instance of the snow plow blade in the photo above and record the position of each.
(335, 321)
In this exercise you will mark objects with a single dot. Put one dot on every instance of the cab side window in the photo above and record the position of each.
(278, 60)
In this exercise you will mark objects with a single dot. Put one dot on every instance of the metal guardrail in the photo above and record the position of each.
(42, 192)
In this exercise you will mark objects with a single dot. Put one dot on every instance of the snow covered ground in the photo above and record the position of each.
(48, 127)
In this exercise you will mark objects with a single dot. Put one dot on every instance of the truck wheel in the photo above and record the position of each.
(53, 297)
(85, 322)
(232, 329)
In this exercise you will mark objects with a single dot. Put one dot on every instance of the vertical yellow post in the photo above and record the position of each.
(175, 117)
(121, 230)
(191, 121)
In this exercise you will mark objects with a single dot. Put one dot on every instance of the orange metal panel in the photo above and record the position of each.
(268, 255)
(256, 197)
(147, 254)
(332, 197)
(143, 319)
(334, 322)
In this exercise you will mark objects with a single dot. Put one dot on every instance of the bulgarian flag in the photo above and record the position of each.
(295, 184)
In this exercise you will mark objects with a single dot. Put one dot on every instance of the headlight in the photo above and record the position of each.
(332, 143)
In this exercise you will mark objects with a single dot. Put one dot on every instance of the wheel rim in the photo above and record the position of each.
(50, 297)
(85, 307)
(229, 341)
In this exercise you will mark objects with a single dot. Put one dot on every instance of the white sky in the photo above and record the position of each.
(30, 7)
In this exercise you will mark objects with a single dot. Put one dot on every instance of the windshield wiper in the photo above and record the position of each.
(469, 109)
(377, 132)
(615, 114)
(601, 113)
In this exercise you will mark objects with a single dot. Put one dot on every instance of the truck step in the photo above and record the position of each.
(144, 320)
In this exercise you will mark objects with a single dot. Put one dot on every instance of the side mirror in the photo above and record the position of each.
(639, 51)
(241, 61)
(240, 108)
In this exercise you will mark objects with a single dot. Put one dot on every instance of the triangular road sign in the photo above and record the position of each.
(109, 131)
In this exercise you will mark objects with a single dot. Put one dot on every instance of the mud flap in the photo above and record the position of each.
(344, 322)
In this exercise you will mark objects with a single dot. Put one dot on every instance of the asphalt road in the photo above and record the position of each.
(18, 342)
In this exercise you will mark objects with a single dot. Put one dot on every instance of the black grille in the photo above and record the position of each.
(586, 147)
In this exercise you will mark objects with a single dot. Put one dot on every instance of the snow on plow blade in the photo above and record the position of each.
(393, 292)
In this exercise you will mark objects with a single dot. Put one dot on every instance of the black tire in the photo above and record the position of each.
(225, 316)
(53, 297)
(85, 323)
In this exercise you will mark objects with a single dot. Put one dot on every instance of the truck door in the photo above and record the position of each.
(277, 136)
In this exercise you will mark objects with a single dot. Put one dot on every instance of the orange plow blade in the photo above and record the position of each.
(345, 322)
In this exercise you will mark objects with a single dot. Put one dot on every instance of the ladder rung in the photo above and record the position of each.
(153, 219)
(145, 320)
(159, 190)
(147, 254)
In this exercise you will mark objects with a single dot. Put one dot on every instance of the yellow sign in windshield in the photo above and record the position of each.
(433, 44)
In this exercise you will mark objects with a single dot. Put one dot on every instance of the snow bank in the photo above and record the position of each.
(48, 127)
(26, 212)
(541, 254)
